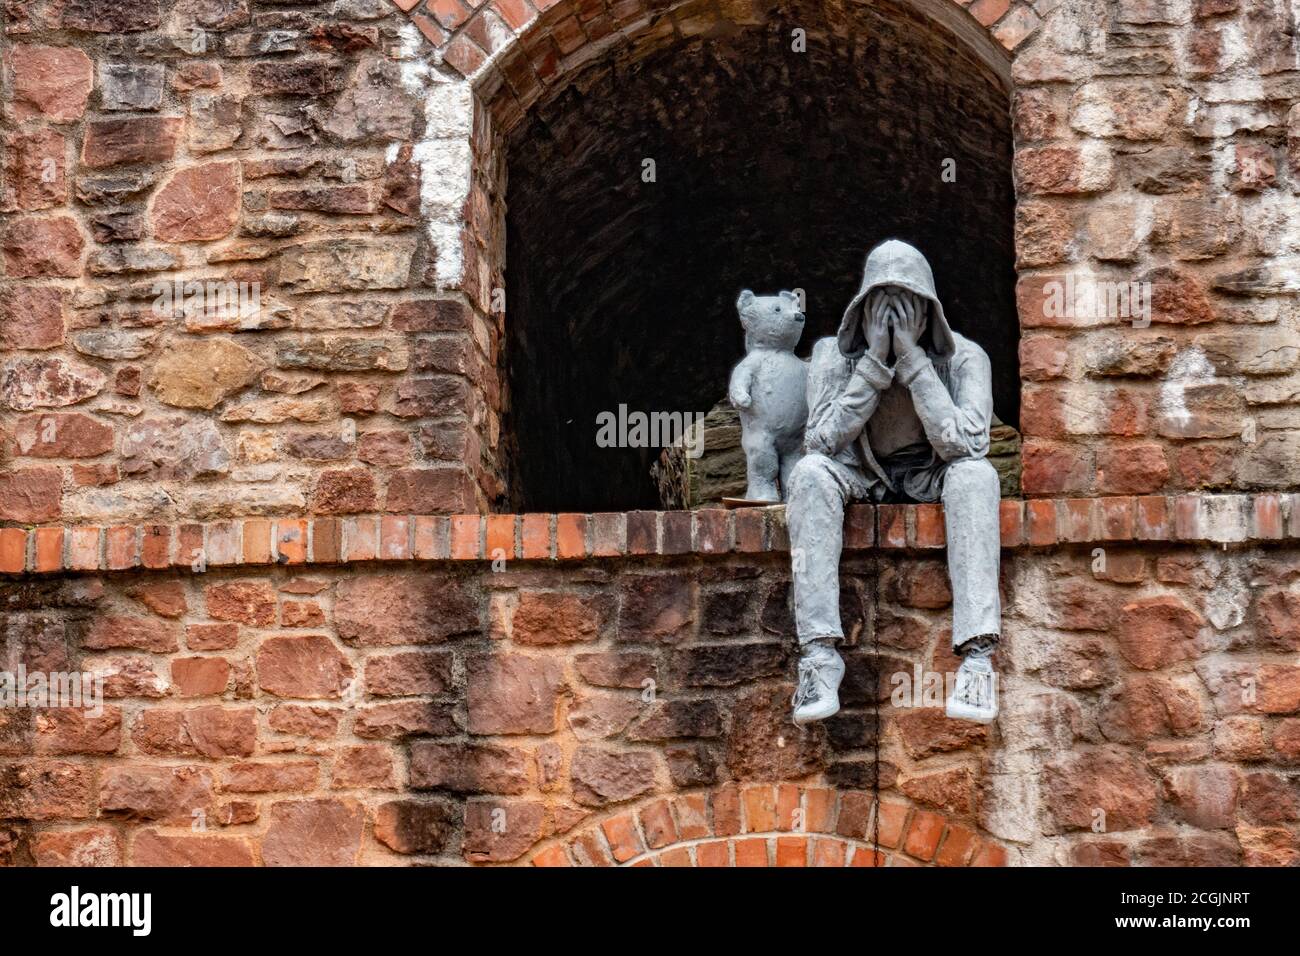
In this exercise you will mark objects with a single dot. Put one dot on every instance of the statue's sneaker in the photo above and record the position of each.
(975, 693)
(818, 695)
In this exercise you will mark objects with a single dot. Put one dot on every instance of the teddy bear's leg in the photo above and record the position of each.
(762, 465)
(790, 456)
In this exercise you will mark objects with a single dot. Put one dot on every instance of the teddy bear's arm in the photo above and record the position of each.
(742, 380)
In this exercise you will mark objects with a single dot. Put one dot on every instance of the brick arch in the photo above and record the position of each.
(772, 824)
(513, 50)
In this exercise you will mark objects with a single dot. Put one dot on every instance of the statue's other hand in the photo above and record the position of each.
(741, 398)
(909, 324)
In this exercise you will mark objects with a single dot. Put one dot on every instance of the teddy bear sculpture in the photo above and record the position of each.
(769, 389)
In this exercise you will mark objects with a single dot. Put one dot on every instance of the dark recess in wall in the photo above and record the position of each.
(773, 170)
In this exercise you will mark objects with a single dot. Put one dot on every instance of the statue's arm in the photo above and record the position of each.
(837, 415)
(742, 380)
(957, 425)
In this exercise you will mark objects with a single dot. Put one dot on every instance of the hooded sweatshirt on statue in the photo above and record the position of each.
(863, 412)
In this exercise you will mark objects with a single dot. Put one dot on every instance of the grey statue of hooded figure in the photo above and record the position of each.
(914, 431)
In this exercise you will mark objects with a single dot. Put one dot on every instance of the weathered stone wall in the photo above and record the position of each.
(1159, 141)
(150, 146)
(614, 689)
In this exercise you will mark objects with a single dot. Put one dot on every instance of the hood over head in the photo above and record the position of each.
(895, 262)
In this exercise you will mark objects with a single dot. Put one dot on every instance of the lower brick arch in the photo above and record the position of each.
(773, 824)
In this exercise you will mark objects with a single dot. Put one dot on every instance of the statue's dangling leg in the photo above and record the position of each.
(819, 490)
(971, 493)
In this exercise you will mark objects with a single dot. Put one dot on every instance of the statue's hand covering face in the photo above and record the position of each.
(898, 280)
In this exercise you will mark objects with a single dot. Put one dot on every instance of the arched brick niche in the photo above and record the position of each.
(782, 824)
(623, 294)
(775, 135)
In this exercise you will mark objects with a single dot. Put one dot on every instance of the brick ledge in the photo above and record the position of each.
(1032, 523)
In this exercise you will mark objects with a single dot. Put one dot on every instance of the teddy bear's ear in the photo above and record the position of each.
(745, 300)
(790, 297)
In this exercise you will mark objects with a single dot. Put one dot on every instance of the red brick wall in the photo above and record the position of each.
(565, 710)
